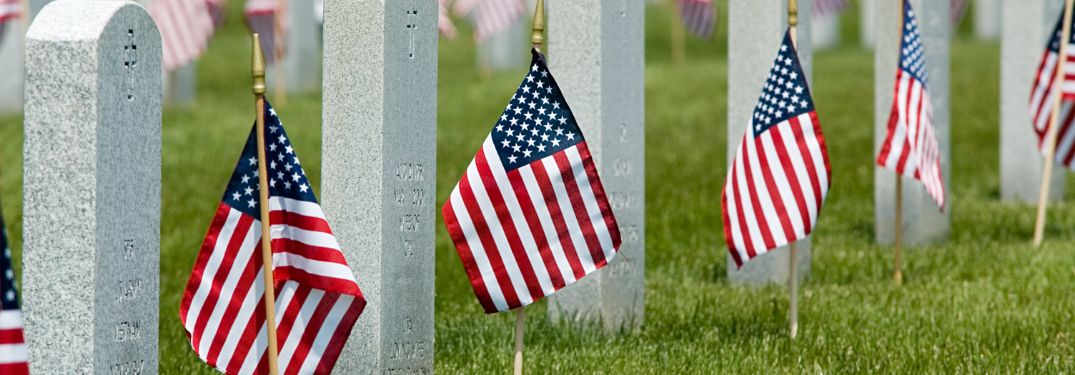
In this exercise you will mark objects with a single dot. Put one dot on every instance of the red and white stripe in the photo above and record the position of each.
(911, 147)
(317, 298)
(698, 16)
(1042, 100)
(775, 187)
(9, 9)
(444, 22)
(524, 234)
(493, 16)
(14, 357)
(185, 27)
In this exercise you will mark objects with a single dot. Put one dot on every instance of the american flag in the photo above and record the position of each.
(957, 11)
(185, 27)
(829, 8)
(267, 19)
(1042, 99)
(493, 16)
(9, 10)
(317, 299)
(530, 215)
(698, 16)
(217, 10)
(780, 176)
(911, 147)
(444, 23)
(13, 353)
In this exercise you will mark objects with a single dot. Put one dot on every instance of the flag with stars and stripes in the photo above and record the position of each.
(911, 147)
(1042, 97)
(698, 16)
(780, 176)
(185, 27)
(13, 353)
(10, 10)
(317, 298)
(268, 19)
(530, 215)
(493, 16)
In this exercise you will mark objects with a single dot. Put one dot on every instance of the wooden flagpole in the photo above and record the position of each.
(897, 251)
(258, 73)
(793, 277)
(679, 41)
(538, 38)
(1050, 138)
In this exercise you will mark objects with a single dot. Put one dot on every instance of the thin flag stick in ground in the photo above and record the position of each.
(1050, 138)
(258, 72)
(520, 328)
(793, 277)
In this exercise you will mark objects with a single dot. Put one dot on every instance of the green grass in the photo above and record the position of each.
(983, 302)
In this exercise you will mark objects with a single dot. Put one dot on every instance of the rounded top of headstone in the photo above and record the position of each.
(81, 20)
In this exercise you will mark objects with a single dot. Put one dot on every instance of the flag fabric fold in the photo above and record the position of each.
(1042, 97)
(267, 19)
(530, 215)
(698, 16)
(317, 298)
(14, 356)
(9, 11)
(185, 27)
(493, 16)
(911, 148)
(780, 176)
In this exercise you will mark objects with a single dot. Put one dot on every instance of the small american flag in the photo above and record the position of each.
(530, 215)
(317, 299)
(444, 22)
(9, 10)
(266, 18)
(829, 8)
(13, 353)
(911, 147)
(699, 17)
(778, 181)
(958, 11)
(493, 16)
(185, 27)
(1042, 98)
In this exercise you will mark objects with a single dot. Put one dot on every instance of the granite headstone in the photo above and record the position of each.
(597, 53)
(923, 221)
(92, 187)
(379, 173)
(755, 30)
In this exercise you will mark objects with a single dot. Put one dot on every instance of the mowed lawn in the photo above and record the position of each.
(983, 302)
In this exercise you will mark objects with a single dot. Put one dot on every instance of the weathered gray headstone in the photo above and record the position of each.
(181, 85)
(987, 18)
(92, 186)
(755, 30)
(923, 222)
(379, 173)
(1027, 27)
(868, 22)
(302, 63)
(507, 49)
(597, 53)
(826, 31)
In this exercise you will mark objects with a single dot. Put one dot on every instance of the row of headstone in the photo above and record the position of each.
(92, 175)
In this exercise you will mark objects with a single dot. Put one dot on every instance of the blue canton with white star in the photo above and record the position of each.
(9, 295)
(912, 54)
(537, 122)
(286, 176)
(786, 94)
(1054, 41)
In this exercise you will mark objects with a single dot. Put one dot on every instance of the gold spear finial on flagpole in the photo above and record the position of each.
(538, 37)
(257, 71)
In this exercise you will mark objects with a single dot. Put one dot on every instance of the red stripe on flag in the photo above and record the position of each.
(343, 330)
(553, 204)
(204, 254)
(238, 298)
(507, 288)
(588, 233)
(11, 336)
(523, 196)
(324, 306)
(790, 173)
(598, 189)
(467, 257)
(234, 243)
(507, 223)
(759, 218)
(774, 193)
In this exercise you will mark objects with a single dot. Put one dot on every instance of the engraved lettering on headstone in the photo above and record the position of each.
(409, 172)
(128, 249)
(136, 367)
(409, 222)
(412, 28)
(623, 200)
(128, 331)
(131, 62)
